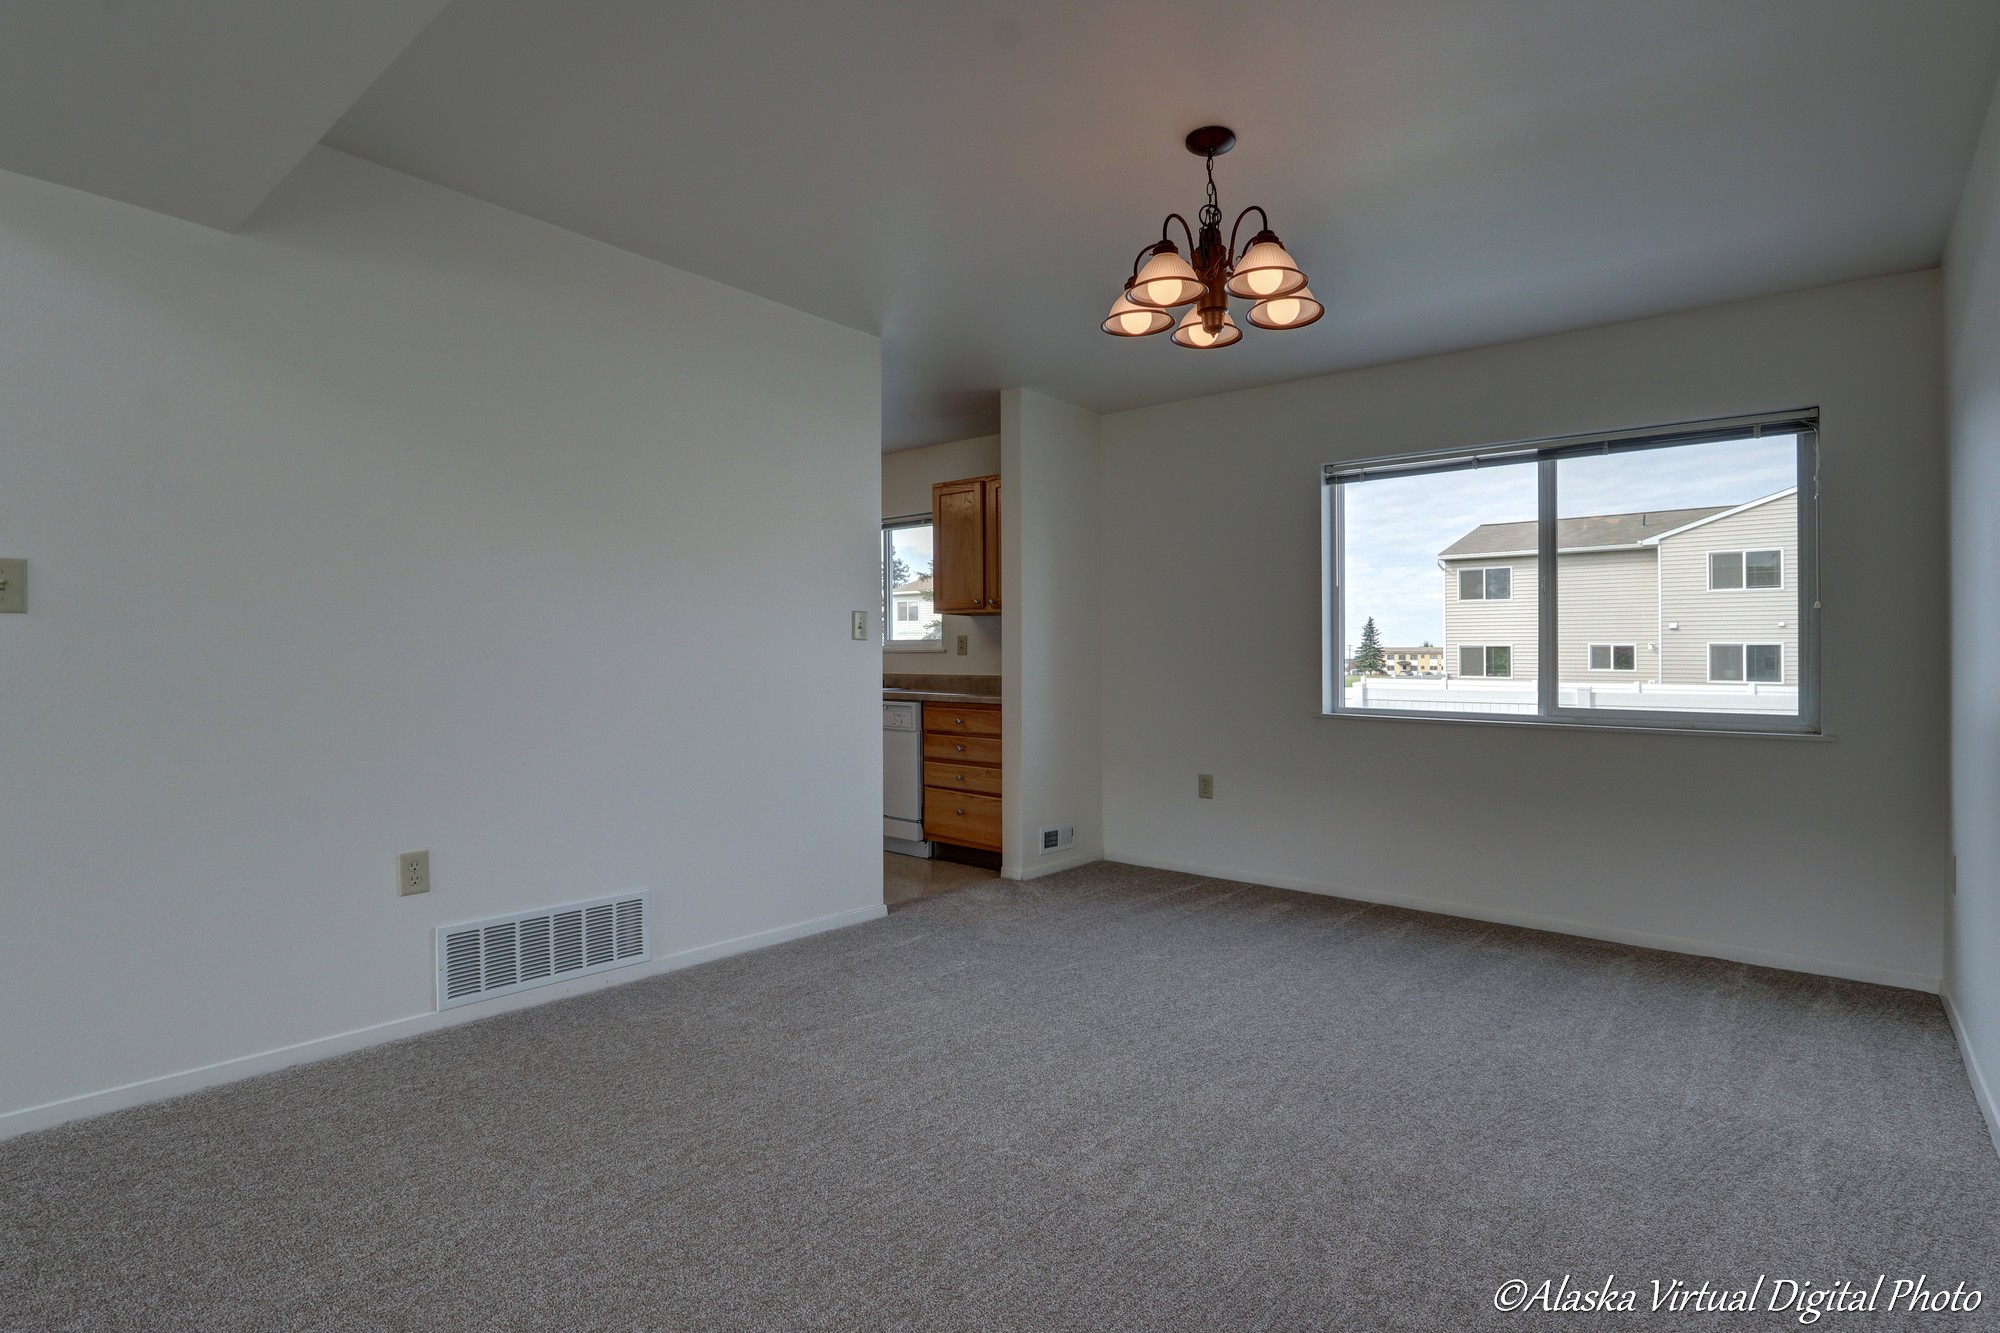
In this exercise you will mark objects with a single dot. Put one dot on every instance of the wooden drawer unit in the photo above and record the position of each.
(962, 777)
(962, 720)
(963, 749)
(962, 774)
(964, 818)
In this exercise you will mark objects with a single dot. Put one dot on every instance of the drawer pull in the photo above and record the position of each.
(959, 748)
(961, 810)
(959, 720)
(959, 777)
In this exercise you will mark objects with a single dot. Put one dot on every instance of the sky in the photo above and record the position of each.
(1397, 525)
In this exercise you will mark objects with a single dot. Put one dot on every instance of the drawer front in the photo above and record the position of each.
(961, 777)
(964, 818)
(961, 720)
(981, 750)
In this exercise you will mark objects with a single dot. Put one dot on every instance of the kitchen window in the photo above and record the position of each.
(910, 619)
(1614, 657)
(1591, 560)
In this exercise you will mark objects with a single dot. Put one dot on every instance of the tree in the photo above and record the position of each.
(1368, 659)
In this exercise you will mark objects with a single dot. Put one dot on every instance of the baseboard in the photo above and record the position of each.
(1824, 967)
(1049, 865)
(48, 1114)
(1982, 1091)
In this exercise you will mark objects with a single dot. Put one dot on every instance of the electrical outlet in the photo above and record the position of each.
(13, 585)
(1204, 786)
(860, 625)
(413, 873)
(961, 645)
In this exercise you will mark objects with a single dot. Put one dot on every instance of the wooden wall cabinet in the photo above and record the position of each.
(965, 546)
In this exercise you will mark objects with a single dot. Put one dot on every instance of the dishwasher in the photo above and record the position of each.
(903, 778)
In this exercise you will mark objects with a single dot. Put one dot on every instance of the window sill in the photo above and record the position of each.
(915, 646)
(1564, 724)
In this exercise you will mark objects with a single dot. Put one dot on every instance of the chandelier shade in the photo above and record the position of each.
(1135, 321)
(1264, 274)
(1265, 270)
(1166, 281)
(1193, 333)
(1292, 311)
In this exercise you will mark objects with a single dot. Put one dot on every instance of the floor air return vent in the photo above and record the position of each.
(503, 954)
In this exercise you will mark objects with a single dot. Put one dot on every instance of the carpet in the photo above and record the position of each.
(1114, 1098)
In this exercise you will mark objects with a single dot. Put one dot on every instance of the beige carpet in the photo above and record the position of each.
(1110, 1099)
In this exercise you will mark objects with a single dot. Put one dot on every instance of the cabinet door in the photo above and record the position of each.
(958, 546)
(992, 508)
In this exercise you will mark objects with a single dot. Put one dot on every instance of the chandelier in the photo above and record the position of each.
(1263, 273)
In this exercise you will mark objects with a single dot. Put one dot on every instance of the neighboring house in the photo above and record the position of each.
(914, 614)
(1669, 596)
(1423, 660)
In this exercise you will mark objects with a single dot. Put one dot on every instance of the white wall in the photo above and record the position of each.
(907, 478)
(399, 521)
(1822, 856)
(1972, 335)
(1051, 748)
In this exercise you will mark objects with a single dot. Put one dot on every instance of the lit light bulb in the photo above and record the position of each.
(1134, 321)
(1293, 311)
(1193, 334)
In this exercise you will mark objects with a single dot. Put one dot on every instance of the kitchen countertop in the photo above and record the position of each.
(940, 689)
(937, 697)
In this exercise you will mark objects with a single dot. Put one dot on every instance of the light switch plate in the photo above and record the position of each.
(860, 624)
(13, 586)
(413, 873)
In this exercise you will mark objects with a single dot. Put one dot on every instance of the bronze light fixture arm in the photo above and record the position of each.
(1262, 216)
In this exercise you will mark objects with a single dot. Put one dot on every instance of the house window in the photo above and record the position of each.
(1749, 663)
(910, 620)
(1732, 571)
(1614, 657)
(1476, 659)
(1599, 555)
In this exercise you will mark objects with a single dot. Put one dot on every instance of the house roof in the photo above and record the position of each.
(921, 583)
(1572, 534)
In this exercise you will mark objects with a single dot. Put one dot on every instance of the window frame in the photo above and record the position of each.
(1544, 455)
(1612, 648)
(1743, 555)
(1486, 660)
(1744, 645)
(1485, 573)
(890, 644)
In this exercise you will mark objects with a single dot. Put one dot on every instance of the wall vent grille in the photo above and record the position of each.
(502, 954)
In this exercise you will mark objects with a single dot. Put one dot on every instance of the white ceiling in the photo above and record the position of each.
(971, 180)
(196, 108)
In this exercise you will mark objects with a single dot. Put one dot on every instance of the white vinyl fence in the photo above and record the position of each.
(1472, 695)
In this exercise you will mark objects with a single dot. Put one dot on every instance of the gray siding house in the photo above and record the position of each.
(1667, 596)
